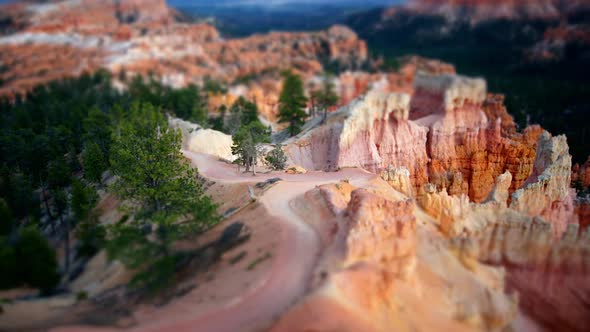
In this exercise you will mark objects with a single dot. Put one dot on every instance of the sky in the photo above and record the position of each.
(270, 2)
(278, 2)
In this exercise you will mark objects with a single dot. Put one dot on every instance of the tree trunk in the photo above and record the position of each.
(254, 167)
(67, 242)
(325, 115)
(47, 210)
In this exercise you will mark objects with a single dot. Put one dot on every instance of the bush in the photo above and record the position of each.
(92, 236)
(81, 296)
(9, 267)
(276, 158)
(36, 261)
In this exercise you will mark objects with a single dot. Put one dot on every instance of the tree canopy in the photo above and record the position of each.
(247, 142)
(324, 98)
(161, 192)
(44, 138)
(292, 103)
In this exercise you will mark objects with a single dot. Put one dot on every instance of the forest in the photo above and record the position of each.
(60, 148)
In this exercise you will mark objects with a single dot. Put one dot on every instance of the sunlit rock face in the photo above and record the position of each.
(547, 192)
(146, 36)
(450, 132)
(200, 140)
(550, 274)
(514, 256)
(385, 270)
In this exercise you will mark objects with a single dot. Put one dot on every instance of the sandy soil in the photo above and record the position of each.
(286, 276)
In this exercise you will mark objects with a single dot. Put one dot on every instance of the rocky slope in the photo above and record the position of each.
(404, 250)
(399, 248)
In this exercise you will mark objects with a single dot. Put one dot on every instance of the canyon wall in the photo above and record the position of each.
(450, 132)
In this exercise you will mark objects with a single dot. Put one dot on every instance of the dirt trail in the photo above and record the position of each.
(292, 266)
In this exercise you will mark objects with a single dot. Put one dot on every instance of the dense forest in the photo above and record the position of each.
(71, 142)
(59, 145)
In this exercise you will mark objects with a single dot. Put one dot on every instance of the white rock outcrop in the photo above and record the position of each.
(199, 140)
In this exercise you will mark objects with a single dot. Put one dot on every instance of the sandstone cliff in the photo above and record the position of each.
(450, 132)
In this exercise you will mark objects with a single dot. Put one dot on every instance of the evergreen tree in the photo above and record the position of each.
(248, 110)
(160, 188)
(59, 174)
(247, 142)
(218, 123)
(276, 158)
(60, 200)
(39, 157)
(242, 113)
(325, 98)
(37, 263)
(94, 163)
(10, 276)
(6, 219)
(83, 200)
(98, 129)
(292, 103)
(22, 200)
(91, 235)
(187, 103)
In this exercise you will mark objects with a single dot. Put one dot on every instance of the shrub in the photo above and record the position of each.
(276, 158)
(36, 261)
(9, 267)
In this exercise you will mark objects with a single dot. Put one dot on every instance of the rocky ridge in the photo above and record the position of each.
(450, 132)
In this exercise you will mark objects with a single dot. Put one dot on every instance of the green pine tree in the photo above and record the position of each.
(325, 98)
(276, 158)
(161, 192)
(98, 129)
(37, 262)
(83, 200)
(247, 142)
(59, 173)
(292, 103)
(94, 162)
(6, 219)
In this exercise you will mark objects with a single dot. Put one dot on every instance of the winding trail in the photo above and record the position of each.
(292, 266)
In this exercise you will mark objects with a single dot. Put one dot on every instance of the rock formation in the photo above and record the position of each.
(549, 274)
(141, 36)
(450, 133)
(207, 141)
(390, 267)
(547, 192)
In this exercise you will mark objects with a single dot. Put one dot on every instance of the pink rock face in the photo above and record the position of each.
(381, 232)
(380, 242)
(454, 137)
(392, 142)
(547, 191)
(549, 274)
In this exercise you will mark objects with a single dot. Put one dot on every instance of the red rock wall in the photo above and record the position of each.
(550, 275)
